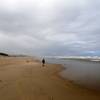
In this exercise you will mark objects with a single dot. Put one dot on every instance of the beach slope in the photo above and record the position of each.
(24, 78)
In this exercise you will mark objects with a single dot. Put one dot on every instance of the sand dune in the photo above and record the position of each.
(23, 78)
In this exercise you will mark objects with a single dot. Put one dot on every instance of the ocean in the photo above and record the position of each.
(84, 73)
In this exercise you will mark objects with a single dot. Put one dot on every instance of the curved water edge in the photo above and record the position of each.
(85, 73)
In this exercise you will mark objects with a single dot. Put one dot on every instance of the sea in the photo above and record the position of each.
(81, 72)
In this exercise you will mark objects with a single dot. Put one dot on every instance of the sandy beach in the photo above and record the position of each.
(24, 78)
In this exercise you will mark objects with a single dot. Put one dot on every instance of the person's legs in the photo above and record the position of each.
(43, 64)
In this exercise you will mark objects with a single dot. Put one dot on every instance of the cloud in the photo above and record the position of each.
(49, 27)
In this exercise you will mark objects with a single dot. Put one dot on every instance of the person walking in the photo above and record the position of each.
(43, 62)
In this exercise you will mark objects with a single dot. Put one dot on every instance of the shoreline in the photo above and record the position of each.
(26, 79)
(71, 82)
(63, 74)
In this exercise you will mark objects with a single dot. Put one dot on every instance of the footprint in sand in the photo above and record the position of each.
(0, 80)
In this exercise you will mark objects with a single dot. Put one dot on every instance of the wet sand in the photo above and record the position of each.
(24, 78)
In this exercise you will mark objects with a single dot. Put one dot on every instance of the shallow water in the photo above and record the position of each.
(85, 73)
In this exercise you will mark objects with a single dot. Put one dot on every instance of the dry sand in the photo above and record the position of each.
(25, 79)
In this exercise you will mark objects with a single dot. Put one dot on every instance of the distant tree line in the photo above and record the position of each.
(3, 54)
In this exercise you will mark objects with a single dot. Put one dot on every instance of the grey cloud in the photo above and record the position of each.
(60, 27)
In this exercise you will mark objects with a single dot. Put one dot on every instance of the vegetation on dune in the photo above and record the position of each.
(3, 54)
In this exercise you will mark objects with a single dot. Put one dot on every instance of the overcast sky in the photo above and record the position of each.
(50, 27)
